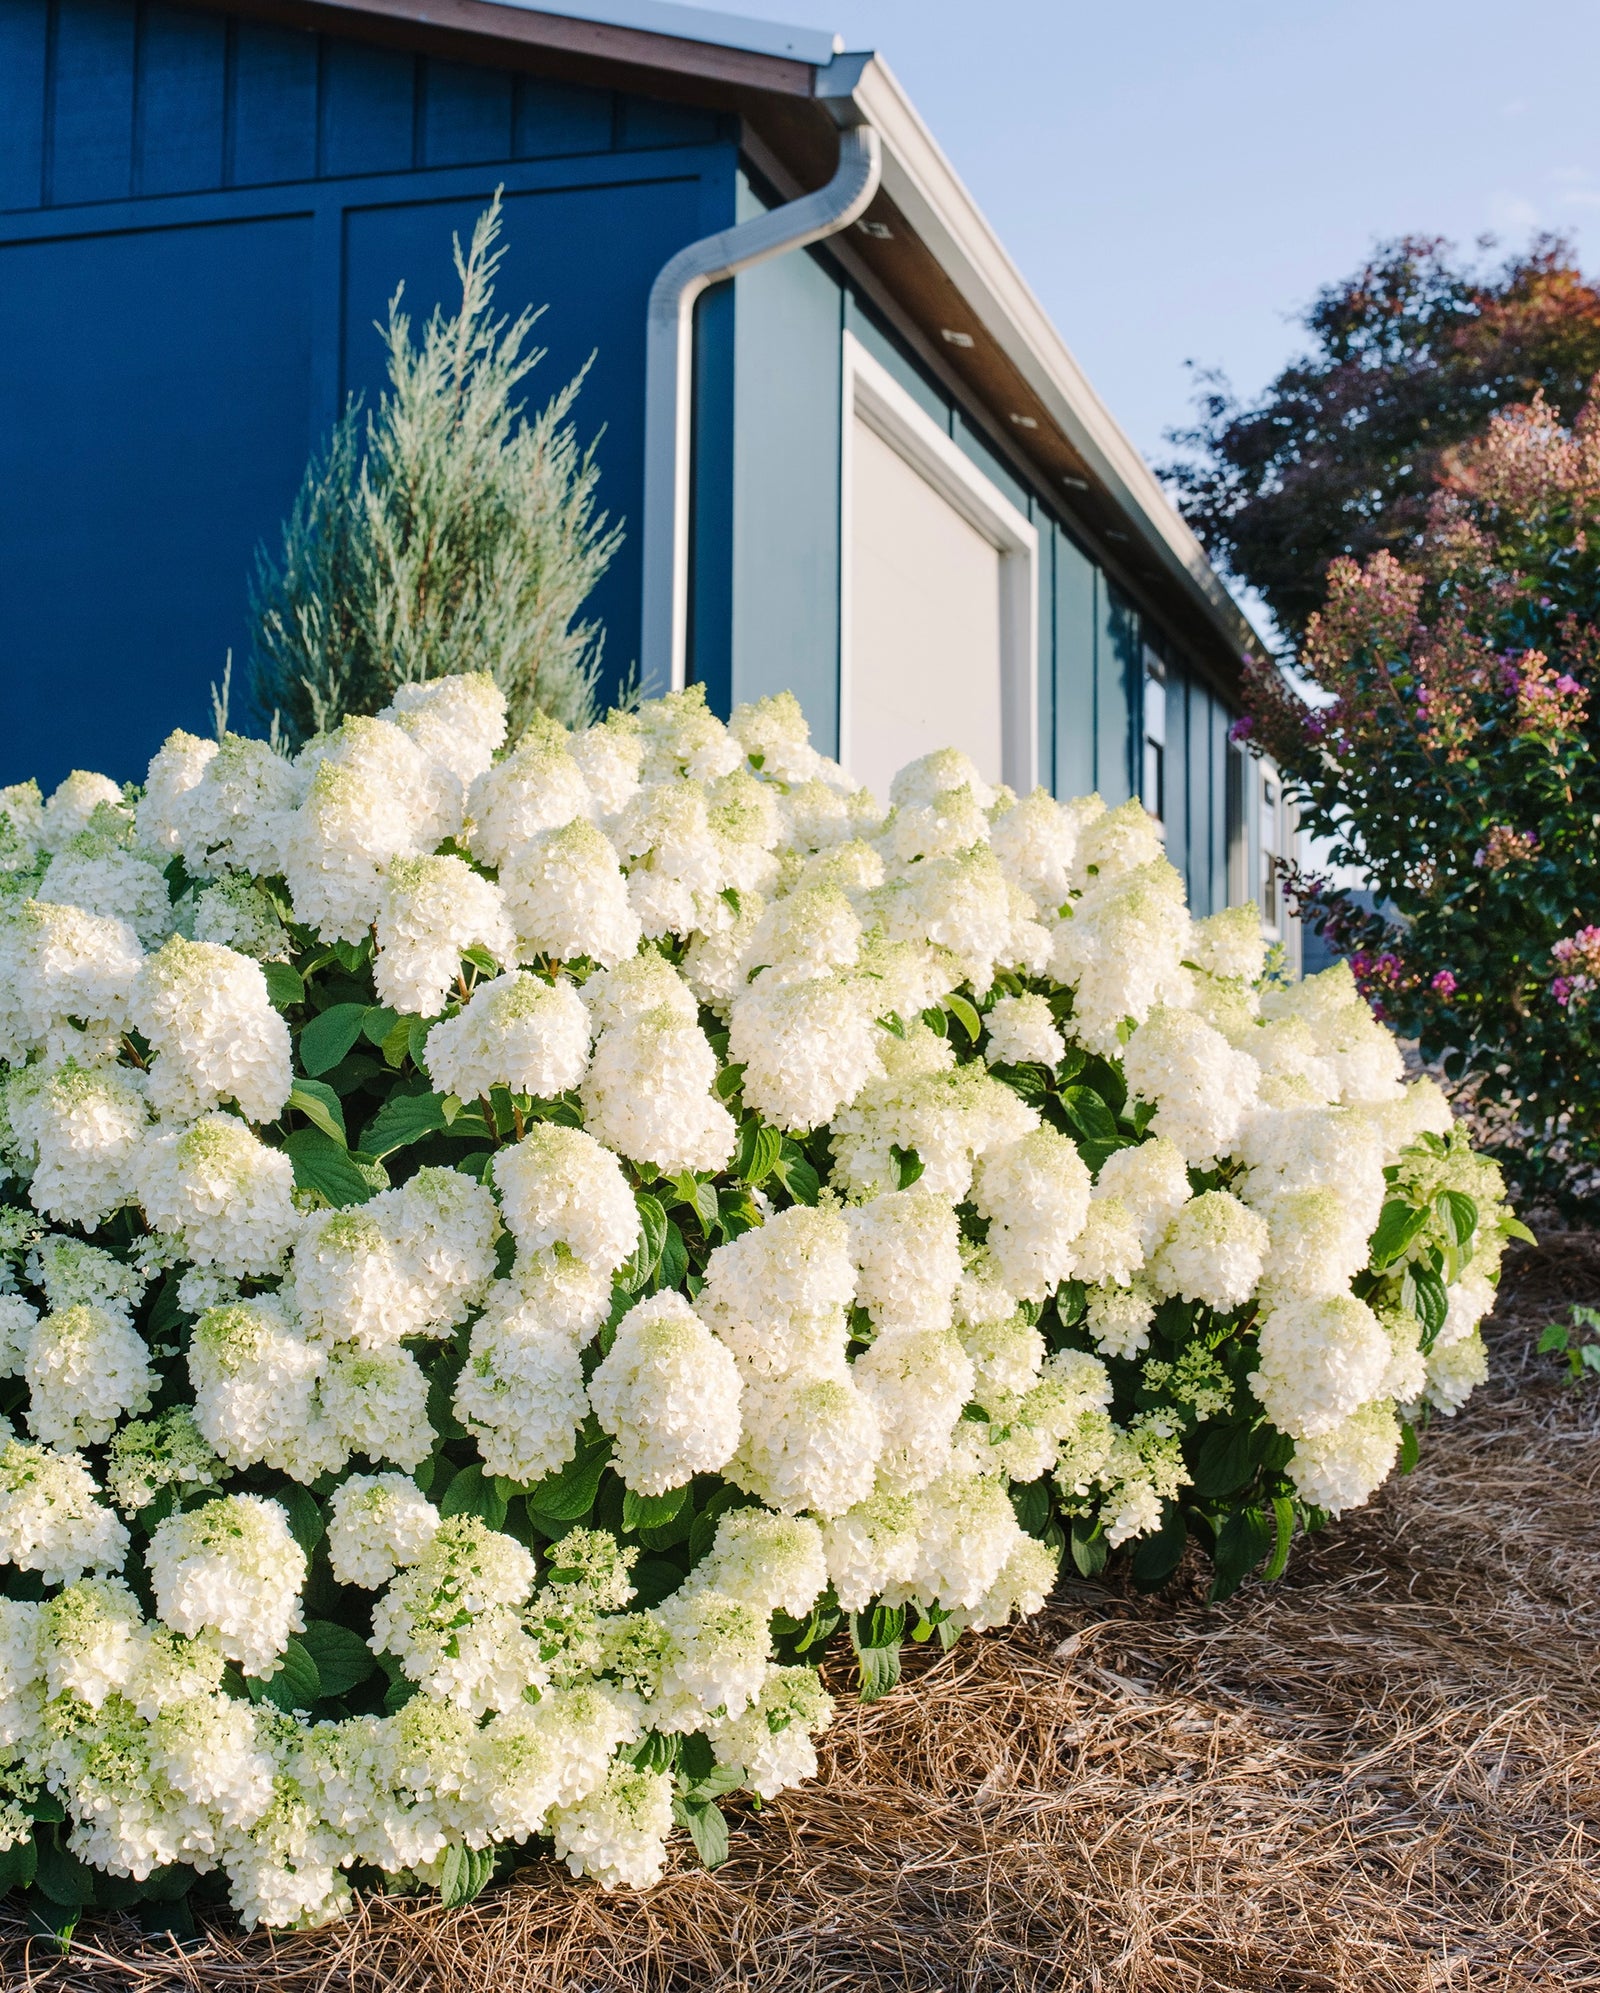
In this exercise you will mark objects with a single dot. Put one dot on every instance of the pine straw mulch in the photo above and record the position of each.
(1381, 1773)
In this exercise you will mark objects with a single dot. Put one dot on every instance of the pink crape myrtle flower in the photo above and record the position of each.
(1577, 956)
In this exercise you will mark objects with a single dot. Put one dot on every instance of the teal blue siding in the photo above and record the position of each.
(1204, 857)
(1224, 775)
(117, 562)
(1198, 781)
(972, 445)
(786, 442)
(368, 110)
(646, 122)
(1117, 664)
(1177, 769)
(202, 216)
(104, 100)
(1046, 720)
(863, 323)
(1072, 667)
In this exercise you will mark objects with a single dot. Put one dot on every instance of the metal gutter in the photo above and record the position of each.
(669, 382)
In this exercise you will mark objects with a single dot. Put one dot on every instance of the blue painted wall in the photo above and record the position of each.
(200, 218)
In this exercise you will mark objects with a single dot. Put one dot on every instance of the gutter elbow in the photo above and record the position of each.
(669, 378)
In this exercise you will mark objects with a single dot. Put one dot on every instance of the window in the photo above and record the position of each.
(939, 607)
(1271, 850)
(1153, 783)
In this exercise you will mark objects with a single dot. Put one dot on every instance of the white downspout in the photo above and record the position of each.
(669, 384)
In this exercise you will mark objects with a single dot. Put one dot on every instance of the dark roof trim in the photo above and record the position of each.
(579, 48)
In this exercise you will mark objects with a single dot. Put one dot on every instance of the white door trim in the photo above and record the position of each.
(872, 393)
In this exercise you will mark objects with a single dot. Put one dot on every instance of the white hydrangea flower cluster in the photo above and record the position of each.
(505, 1243)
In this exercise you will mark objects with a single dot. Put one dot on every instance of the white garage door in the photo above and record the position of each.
(939, 610)
(924, 622)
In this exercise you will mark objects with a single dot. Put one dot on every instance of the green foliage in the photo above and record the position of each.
(1579, 1352)
(443, 533)
(1409, 356)
(1454, 764)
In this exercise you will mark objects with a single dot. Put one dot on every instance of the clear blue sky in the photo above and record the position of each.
(1175, 179)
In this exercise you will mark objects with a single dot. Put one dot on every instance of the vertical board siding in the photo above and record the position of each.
(24, 44)
(1176, 769)
(643, 122)
(184, 445)
(1045, 773)
(136, 476)
(1226, 886)
(181, 101)
(272, 121)
(368, 110)
(466, 115)
(786, 525)
(1074, 668)
(865, 326)
(1203, 802)
(788, 383)
(551, 119)
(587, 252)
(101, 100)
(1116, 664)
(90, 142)
(971, 444)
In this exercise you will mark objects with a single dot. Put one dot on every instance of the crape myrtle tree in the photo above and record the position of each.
(441, 532)
(1454, 764)
(1410, 356)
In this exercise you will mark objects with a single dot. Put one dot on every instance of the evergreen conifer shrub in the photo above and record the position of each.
(441, 533)
(512, 1243)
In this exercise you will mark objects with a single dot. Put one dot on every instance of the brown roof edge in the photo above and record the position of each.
(582, 51)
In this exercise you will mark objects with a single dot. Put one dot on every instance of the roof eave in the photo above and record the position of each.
(922, 183)
(586, 48)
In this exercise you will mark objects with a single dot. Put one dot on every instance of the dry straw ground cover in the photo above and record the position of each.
(1382, 1773)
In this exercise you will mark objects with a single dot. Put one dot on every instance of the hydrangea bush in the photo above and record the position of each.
(508, 1247)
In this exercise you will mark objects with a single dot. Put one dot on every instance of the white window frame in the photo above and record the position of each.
(1267, 773)
(872, 393)
(1154, 673)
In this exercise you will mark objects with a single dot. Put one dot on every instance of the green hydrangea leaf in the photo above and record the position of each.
(322, 1107)
(328, 1036)
(405, 1118)
(342, 1657)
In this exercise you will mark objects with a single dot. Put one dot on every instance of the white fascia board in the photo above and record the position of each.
(694, 24)
(929, 192)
